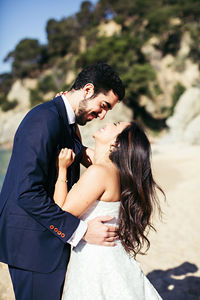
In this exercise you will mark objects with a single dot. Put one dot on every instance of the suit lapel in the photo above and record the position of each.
(61, 109)
(69, 140)
(65, 128)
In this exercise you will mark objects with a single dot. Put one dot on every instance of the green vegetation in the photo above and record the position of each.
(140, 20)
(179, 89)
(7, 105)
(46, 84)
(35, 97)
(27, 58)
(195, 45)
(6, 80)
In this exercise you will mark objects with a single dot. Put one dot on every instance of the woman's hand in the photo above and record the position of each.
(65, 158)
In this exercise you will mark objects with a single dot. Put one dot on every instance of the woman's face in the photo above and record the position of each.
(110, 131)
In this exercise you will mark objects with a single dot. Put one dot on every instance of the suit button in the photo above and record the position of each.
(55, 229)
(59, 232)
(51, 227)
(62, 235)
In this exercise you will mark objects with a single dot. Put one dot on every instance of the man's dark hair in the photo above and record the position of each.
(103, 77)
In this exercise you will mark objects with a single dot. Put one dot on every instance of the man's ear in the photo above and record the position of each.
(88, 90)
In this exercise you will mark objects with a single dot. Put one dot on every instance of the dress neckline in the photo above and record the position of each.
(101, 201)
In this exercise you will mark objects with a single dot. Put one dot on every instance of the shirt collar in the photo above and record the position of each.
(70, 112)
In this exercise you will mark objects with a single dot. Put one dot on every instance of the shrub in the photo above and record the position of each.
(35, 97)
(179, 89)
(6, 81)
(3, 99)
(137, 80)
(46, 84)
(8, 105)
(170, 44)
(195, 44)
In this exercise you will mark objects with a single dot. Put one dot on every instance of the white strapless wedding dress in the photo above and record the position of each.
(105, 273)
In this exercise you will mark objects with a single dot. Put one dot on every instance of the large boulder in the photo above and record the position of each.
(184, 125)
(9, 122)
(192, 132)
(170, 69)
(20, 91)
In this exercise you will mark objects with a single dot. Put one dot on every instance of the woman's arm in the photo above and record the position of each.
(65, 159)
(87, 190)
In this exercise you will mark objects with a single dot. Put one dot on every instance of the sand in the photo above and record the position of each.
(173, 261)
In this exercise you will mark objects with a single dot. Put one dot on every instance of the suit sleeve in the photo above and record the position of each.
(35, 143)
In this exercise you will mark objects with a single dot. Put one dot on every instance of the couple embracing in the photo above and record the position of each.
(45, 208)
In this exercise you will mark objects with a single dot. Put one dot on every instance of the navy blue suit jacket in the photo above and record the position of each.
(33, 229)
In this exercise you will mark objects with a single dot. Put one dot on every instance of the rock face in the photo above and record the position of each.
(184, 125)
(171, 69)
(108, 29)
(10, 120)
(21, 91)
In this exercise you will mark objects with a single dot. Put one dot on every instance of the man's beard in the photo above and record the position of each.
(82, 112)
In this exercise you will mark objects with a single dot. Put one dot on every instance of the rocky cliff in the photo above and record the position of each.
(171, 70)
(184, 125)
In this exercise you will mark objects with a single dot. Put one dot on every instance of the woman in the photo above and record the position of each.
(120, 184)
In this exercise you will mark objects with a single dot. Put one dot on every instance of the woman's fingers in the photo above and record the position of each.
(73, 155)
(70, 154)
(67, 156)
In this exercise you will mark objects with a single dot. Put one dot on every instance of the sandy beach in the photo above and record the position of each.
(173, 260)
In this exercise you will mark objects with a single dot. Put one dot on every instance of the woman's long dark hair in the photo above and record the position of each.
(131, 155)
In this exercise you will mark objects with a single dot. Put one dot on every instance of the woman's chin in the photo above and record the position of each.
(94, 135)
(97, 136)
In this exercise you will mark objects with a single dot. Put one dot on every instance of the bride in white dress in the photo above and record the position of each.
(118, 184)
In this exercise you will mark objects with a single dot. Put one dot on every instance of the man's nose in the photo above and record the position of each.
(102, 114)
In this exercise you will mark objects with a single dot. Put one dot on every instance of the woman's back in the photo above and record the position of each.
(104, 273)
(112, 183)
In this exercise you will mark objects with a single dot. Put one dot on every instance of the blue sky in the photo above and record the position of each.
(21, 19)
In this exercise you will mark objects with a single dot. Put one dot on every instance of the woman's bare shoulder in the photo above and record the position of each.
(96, 170)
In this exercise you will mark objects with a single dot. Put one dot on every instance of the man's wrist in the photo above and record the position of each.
(78, 234)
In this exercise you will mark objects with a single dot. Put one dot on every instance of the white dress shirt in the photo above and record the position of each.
(82, 227)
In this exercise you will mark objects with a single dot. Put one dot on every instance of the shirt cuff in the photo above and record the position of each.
(78, 234)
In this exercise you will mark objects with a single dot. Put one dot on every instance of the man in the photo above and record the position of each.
(34, 232)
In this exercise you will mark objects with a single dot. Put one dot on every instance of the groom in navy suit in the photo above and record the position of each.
(35, 233)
